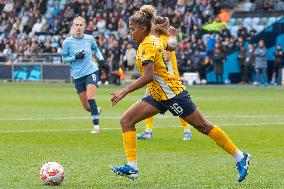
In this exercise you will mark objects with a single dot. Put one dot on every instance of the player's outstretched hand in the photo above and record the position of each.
(80, 55)
(117, 96)
(172, 31)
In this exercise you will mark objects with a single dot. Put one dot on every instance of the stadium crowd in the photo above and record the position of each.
(30, 28)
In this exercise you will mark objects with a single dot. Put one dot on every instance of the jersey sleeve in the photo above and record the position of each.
(148, 53)
(164, 44)
(65, 53)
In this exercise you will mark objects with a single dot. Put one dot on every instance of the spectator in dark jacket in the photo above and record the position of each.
(218, 61)
(241, 59)
(242, 32)
(225, 32)
(249, 63)
(278, 64)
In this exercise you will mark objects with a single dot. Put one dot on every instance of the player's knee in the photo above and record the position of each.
(123, 121)
(126, 122)
(205, 128)
(87, 108)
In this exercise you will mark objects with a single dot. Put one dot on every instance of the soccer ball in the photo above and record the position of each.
(52, 173)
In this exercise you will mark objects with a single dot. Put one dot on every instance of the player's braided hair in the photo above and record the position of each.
(144, 16)
(162, 25)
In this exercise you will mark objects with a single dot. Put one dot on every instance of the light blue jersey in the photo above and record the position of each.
(71, 46)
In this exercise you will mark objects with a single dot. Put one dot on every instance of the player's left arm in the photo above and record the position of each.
(172, 43)
(167, 56)
(97, 52)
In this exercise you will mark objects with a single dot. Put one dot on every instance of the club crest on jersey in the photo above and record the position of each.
(142, 55)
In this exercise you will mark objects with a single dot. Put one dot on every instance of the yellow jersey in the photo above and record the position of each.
(164, 86)
(172, 62)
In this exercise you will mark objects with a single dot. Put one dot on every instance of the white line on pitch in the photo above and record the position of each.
(118, 117)
(118, 128)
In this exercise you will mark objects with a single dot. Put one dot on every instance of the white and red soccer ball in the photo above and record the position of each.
(52, 173)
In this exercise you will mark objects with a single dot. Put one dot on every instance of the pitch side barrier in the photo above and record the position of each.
(34, 72)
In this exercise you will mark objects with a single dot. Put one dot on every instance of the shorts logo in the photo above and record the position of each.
(176, 108)
(94, 77)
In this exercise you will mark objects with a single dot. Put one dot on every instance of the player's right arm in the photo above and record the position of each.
(66, 58)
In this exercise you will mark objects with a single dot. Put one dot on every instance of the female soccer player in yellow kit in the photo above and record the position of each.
(167, 93)
(161, 28)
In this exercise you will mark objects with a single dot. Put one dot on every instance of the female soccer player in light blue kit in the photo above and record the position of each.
(77, 51)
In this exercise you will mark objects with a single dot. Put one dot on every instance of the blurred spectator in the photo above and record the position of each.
(183, 59)
(260, 62)
(241, 59)
(9, 5)
(130, 57)
(211, 44)
(242, 32)
(239, 43)
(115, 62)
(68, 13)
(225, 32)
(122, 28)
(278, 65)
(36, 28)
(251, 34)
(267, 5)
(218, 62)
(249, 64)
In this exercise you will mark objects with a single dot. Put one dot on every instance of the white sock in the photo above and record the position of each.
(132, 164)
(273, 80)
(186, 130)
(96, 127)
(238, 156)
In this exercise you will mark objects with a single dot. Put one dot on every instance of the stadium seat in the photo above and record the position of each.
(271, 20)
(255, 20)
(259, 28)
(247, 21)
(263, 20)
(247, 6)
(232, 21)
(239, 21)
(62, 4)
(279, 18)
(234, 30)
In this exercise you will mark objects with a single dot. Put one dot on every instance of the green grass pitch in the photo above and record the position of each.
(42, 122)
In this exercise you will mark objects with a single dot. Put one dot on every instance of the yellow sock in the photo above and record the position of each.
(129, 141)
(184, 124)
(149, 123)
(221, 138)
